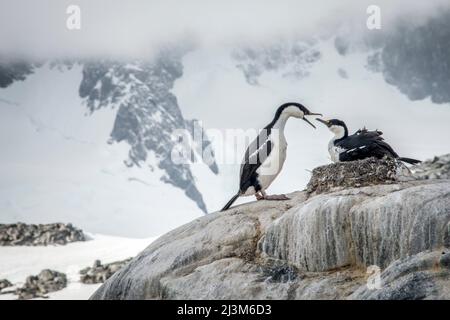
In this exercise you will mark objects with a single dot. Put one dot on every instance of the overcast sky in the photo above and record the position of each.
(136, 27)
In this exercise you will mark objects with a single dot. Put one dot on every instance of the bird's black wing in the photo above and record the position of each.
(256, 153)
(376, 134)
(364, 144)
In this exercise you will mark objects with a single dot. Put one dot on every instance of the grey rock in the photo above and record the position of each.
(414, 58)
(366, 226)
(39, 286)
(11, 71)
(21, 234)
(436, 168)
(313, 246)
(4, 283)
(99, 273)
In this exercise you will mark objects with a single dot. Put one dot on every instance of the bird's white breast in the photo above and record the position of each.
(334, 151)
(272, 166)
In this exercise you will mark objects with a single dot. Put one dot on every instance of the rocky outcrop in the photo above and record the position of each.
(413, 58)
(11, 71)
(366, 226)
(38, 286)
(425, 275)
(148, 115)
(99, 272)
(21, 234)
(147, 112)
(4, 283)
(386, 240)
(436, 168)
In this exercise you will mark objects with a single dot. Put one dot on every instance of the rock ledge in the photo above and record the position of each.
(383, 239)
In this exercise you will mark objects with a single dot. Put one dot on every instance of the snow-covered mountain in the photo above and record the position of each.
(147, 113)
(89, 141)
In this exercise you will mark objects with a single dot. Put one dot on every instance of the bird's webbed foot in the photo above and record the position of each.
(259, 196)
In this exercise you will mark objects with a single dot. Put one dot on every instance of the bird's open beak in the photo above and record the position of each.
(325, 122)
(311, 114)
(309, 122)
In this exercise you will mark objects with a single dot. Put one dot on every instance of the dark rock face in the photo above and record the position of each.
(352, 174)
(13, 71)
(293, 59)
(416, 59)
(99, 273)
(38, 286)
(147, 113)
(4, 283)
(21, 234)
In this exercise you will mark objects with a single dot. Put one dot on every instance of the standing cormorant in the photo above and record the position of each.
(265, 156)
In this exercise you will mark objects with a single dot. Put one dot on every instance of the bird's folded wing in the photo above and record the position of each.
(256, 153)
(365, 144)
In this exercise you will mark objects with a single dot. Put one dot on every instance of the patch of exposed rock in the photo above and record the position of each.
(366, 226)
(436, 168)
(99, 272)
(4, 283)
(313, 246)
(21, 234)
(38, 286)
(425, 275)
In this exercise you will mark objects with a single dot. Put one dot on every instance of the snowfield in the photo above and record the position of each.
(57, 165)
(19, 262)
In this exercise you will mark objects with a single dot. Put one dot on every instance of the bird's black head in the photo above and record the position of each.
(336, 126)
(294, 109)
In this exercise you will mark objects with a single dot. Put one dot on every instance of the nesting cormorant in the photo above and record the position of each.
(360, 145)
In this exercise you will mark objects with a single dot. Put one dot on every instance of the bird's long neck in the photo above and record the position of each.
(340, 134)
(279, 122)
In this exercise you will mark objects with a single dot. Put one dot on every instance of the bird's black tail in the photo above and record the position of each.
(229, 203)
(409, 160)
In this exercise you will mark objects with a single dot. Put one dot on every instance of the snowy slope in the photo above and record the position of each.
(17, 263)
(56, 164)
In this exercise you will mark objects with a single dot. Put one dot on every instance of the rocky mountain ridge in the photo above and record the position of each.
(147, 112)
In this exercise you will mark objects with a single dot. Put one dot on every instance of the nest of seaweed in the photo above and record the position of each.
(353, 174)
